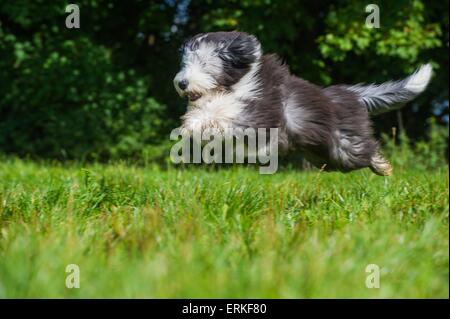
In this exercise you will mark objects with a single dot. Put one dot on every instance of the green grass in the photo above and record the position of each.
(188, 233)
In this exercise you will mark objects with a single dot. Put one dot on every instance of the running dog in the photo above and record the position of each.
(229, 83)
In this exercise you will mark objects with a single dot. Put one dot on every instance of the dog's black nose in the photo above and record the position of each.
(183, 84)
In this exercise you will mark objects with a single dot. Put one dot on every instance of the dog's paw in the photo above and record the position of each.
(380, 166)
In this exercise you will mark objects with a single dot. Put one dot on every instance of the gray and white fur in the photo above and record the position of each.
(230, 83)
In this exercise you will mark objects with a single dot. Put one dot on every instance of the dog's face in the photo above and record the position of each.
(214, 62)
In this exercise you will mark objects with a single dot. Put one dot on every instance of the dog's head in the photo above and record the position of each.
(214, 62)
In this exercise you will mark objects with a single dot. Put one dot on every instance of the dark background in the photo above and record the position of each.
(105, 91)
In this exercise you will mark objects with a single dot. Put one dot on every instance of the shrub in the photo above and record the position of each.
(427, 153)
(67, 100)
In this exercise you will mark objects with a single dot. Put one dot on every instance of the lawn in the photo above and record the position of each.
(197, 232)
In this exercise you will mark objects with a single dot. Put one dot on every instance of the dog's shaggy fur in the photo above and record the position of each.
(230, 83)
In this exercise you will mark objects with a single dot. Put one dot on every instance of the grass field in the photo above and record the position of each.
(153, 233)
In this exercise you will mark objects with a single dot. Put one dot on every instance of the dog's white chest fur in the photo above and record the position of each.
(217, 110)
(220, 109)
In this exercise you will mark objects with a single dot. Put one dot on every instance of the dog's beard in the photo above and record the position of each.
(201, 99)
(193, 96)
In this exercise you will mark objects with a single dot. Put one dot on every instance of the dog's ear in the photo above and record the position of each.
(241, 50)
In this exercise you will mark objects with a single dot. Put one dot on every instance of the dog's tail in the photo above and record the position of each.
(393, 95)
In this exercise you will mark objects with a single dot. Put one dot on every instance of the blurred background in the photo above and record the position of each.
(105, 92)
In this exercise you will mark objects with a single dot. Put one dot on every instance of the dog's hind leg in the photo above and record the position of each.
(379, 165)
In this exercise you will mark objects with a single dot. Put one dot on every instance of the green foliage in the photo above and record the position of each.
(148, 233)
(401, 26)
(63, 96)
(428, 153)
